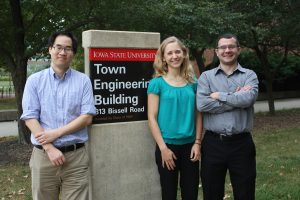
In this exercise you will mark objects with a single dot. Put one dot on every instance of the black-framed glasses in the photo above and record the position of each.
(230, 47)
(59, 48)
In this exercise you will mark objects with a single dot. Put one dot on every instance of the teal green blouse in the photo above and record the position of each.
(176, 113)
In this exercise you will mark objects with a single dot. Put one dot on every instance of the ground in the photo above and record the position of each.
(13, 152)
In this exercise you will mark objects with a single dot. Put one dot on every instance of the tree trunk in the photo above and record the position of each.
(262, 55)
(18, 64)
(19, 79)
(269, 86)
(198, 56)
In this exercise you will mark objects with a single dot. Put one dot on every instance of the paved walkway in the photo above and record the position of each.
(11, 128)
(8, 128)
(262, 106)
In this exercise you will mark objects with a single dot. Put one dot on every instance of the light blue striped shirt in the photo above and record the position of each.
(233, 112)
(56, 102)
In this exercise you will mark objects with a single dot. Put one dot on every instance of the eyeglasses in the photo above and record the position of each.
(230, 47)
(59, 49)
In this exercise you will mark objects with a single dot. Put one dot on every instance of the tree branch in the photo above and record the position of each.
(35, 16)
(82, 23)
(284, 58)
(19, 33)
(295, 52)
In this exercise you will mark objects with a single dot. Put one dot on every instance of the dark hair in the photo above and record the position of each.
(53, 36)
(228, 36)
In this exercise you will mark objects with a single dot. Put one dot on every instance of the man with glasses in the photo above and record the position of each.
(225, 96)
(58, 106)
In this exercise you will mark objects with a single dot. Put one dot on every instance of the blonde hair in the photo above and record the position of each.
(161, 67)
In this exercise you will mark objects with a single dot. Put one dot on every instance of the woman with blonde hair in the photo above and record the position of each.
(174, 122)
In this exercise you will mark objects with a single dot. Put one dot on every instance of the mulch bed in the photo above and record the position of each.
(11, 151)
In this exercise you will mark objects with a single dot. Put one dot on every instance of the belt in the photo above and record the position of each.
(65, 149)
(222, 136)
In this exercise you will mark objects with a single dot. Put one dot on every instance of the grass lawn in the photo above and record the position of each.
(15, 182)
(6, 83)
(8, 103)
(278, 164)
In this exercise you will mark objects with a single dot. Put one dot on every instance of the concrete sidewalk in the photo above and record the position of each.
(281, 104)
(11, 128)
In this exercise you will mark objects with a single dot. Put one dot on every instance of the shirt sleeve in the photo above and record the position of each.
(30, 102)
(204, 102)
(153, 87)
(243, 99)
(87, 104)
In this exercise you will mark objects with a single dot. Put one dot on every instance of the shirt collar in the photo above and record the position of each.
(239, 68)
(66, 74)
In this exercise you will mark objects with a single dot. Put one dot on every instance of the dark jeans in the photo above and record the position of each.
(235, 155)
(187, 170)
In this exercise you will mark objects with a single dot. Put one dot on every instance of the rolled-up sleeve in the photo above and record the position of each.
(88, 105)
(30, 102)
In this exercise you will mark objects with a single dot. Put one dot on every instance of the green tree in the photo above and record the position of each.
(271, 28)
(25, 27)
(267, 27)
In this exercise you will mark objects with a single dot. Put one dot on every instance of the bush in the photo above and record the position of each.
(5, 78)
(284, 81)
